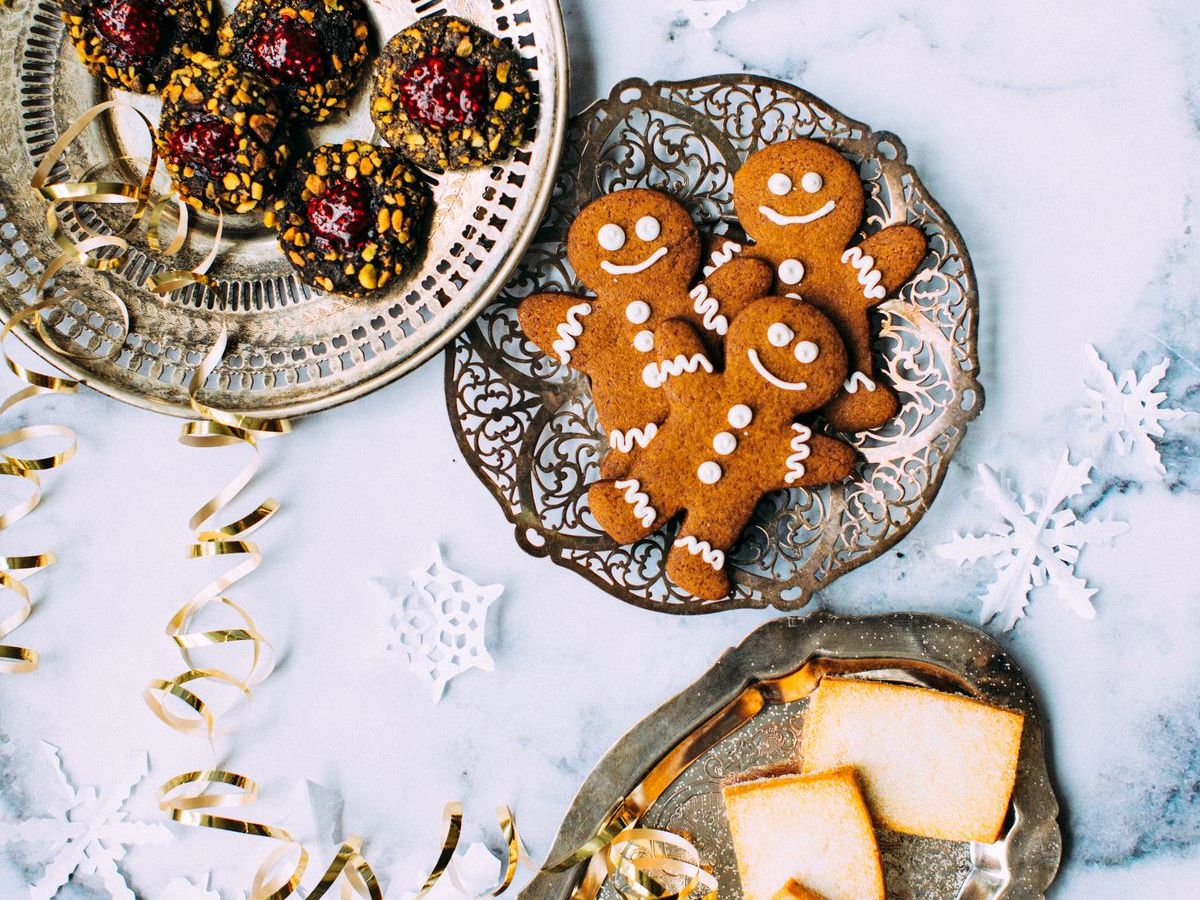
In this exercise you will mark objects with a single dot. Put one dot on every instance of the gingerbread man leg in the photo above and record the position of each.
(625, 509)
(696, 559)
(864, 404)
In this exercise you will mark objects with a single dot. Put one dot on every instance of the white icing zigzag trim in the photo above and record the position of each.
(800, 452)
(722, 256)
(569, 330)
(857, 380)
(703, 549)
(640, 501)
(709, 307)
(624, 440)
(868, 276)
(656, 374)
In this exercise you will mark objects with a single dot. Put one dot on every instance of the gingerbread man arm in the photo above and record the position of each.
(728, 289)
(682, 368)
(807, 459)
(557, 323)
(894, 253)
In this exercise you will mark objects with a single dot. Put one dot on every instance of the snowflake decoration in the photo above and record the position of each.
(440, 626)
(1129, 411)
(182, 889)
(1037, 545)
(707, 13)
(86, 831)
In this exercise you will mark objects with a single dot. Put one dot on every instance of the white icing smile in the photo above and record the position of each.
(778, 382)
(614, 269)
(780, 219)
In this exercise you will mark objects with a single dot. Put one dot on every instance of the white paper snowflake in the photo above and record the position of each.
(1129, 411)
(707, 13)
(182, 889)
(86, 831)
(1037, 545)
(440, 626)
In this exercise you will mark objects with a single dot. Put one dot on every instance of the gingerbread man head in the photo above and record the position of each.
(798, 196)
(787, 354)
(625, 241)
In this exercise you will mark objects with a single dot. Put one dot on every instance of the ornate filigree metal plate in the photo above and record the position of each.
(643, 768)
(294, 350)
(527, 425)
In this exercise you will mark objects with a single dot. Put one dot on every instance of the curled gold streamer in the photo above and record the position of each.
(642, 857)
(211, 539)
(14, 658)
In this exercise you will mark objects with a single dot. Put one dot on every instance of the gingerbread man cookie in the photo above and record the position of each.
(802, 203)
(730, 437)
(638, 251)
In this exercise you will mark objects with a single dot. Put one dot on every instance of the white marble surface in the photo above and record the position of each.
(1062, 138)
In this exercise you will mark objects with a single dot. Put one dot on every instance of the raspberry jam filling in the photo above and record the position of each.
(207, 144)
(340, 214)
(131, 26)
(444, 92)
(289, 50)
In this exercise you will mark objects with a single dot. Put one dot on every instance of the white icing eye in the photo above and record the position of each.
(780, 335)
(740, 415)
(779, 184)
(647, 228)
(637, 312)
(807, 351)
(791, 271)
(812, 182)
(709, 472)
(724, 443)
(611, 237)
(643, 341)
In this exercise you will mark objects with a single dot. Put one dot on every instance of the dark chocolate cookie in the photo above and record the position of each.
(449, 95)
(222, 135)
(312, 51)
(351, 216)
(136, 44)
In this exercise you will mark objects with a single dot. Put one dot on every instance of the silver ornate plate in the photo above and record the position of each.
(294, 350)
(527, 426)
(667, 772)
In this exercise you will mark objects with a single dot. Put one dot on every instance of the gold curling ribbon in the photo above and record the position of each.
(218, 428)
(280, 875)
(14, 659)
(650, 864)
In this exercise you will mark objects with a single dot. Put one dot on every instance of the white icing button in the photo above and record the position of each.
(807, 351)
(644, 341)
(647, 228)
(812, 182)
(724, 443)
(791, 271)
(611, 237)
(650, 376)
(637, 312)
(709, 472)
(779, 184)
(780, 335)
(740, 415)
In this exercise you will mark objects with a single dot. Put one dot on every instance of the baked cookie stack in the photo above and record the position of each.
(719, 384)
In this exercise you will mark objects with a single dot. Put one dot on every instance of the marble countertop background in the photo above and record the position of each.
(1064, 140)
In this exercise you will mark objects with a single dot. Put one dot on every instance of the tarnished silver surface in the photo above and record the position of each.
(917, 649)
(527, 425)
(294, 350)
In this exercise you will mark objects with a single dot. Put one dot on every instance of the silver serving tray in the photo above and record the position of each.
(294, 350)
(667, 772)
(527, 427)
